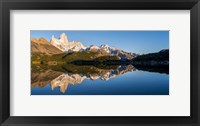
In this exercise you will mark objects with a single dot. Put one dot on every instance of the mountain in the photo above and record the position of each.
(63, 44)
(107, 50)
(41, 45)
(97, 49)
(160, 58)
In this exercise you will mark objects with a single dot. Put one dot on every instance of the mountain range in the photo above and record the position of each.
(62, 45)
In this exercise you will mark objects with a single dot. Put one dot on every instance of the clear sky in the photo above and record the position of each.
(131, 41)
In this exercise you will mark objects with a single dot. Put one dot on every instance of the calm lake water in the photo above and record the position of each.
(125, 80)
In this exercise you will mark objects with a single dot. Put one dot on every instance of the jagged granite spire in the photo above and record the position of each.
(64, 38)
(63, 44)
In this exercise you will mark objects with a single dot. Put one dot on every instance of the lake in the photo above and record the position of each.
(120, 80)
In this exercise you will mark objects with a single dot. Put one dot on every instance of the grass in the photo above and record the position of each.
(81, 56)
(37, 58)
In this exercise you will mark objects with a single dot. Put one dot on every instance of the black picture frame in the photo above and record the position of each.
(7, 5)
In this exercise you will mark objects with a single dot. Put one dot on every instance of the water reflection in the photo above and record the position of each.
(48, 81)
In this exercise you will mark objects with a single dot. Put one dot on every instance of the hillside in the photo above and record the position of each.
(153, 59)
(41, 45)
(38, 58)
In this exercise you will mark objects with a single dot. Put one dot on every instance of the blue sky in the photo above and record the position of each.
(131, 41)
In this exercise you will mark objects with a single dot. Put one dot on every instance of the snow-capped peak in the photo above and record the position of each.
(104, 46)
(94, 47)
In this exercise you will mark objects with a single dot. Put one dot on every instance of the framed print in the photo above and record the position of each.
(99, 62)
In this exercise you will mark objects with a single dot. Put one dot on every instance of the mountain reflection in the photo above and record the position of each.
(65, 77)
(64, 80)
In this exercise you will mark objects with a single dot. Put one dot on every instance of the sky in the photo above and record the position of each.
(140, 42)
